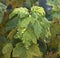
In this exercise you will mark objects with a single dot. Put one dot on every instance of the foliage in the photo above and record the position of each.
(22, 52)
(55, 12)
(55, 27)
(55, 40)
(28, 26)
(23, 25)
(22, 28)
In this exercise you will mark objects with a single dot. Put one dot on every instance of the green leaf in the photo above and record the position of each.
(25, 22)
(21, 52)
(55, 4)
(42, 28)
(11, 24)
(34, 49)
(7, 49)
(20, 12)
(29, 38)
(37, 28)
(2, 9)
(56, 15)
(38, 10)
(15, 11)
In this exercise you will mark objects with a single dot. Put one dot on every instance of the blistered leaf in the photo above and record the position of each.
(38, 10)
(20, 12)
